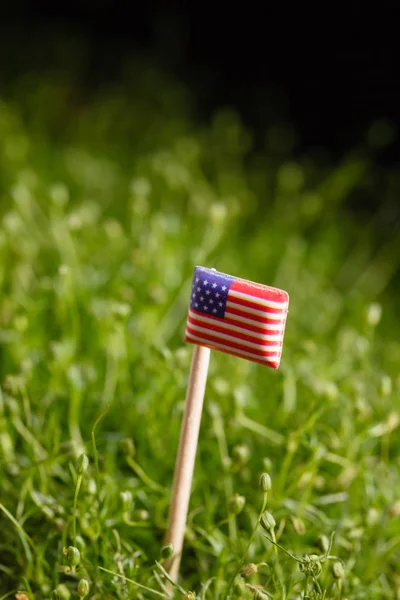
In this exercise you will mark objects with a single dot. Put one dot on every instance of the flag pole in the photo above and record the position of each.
(186, 456)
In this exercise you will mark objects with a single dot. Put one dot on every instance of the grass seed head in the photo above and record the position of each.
(298, 525)
(323, 543)
(311, 565)
(248, 570)
(82, 464)
(241, 454)
(61, 593)
(258, 593)
(338, 570)
(265, 482)
(167, 551)
(140, 515)
(73, 556)
(127, 500)
(236, 504)
(267, 521)
(83, 588)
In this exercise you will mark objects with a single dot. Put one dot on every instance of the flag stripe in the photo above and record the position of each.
(273, 358)
(248, 305)
(274, 363)
(247, 299)
(257, 290)
(261, 340)
(228, 340)
(234, 325)
(232, 305)
(259, 324)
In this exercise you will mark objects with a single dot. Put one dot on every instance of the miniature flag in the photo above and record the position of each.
(236, 316)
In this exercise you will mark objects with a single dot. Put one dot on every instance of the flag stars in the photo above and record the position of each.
(209, 295)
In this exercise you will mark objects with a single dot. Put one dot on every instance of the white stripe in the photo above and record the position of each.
(232, 338)
(260, 336)
(254, 311)
(281, 318)
(195, 338)
(256, 300)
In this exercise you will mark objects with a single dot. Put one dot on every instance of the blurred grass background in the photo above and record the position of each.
(109, 195)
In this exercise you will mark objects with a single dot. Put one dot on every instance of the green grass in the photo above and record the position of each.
(106, 205)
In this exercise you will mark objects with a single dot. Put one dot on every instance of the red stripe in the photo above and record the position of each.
(240, 336)
(251, 304)
(211, 338)
(251, 327)
(269, 363)
(229, 321)
(274, 364)
(260, 291)
(246, 315)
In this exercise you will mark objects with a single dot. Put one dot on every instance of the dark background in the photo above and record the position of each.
(330, 71)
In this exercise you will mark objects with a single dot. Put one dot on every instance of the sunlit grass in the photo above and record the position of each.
(99, 234)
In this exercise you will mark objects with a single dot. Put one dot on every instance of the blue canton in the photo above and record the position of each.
(210, 292)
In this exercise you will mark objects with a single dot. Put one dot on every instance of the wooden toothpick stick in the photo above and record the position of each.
(185, 460)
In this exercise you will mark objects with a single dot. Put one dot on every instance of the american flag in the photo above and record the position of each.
(237, 316)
